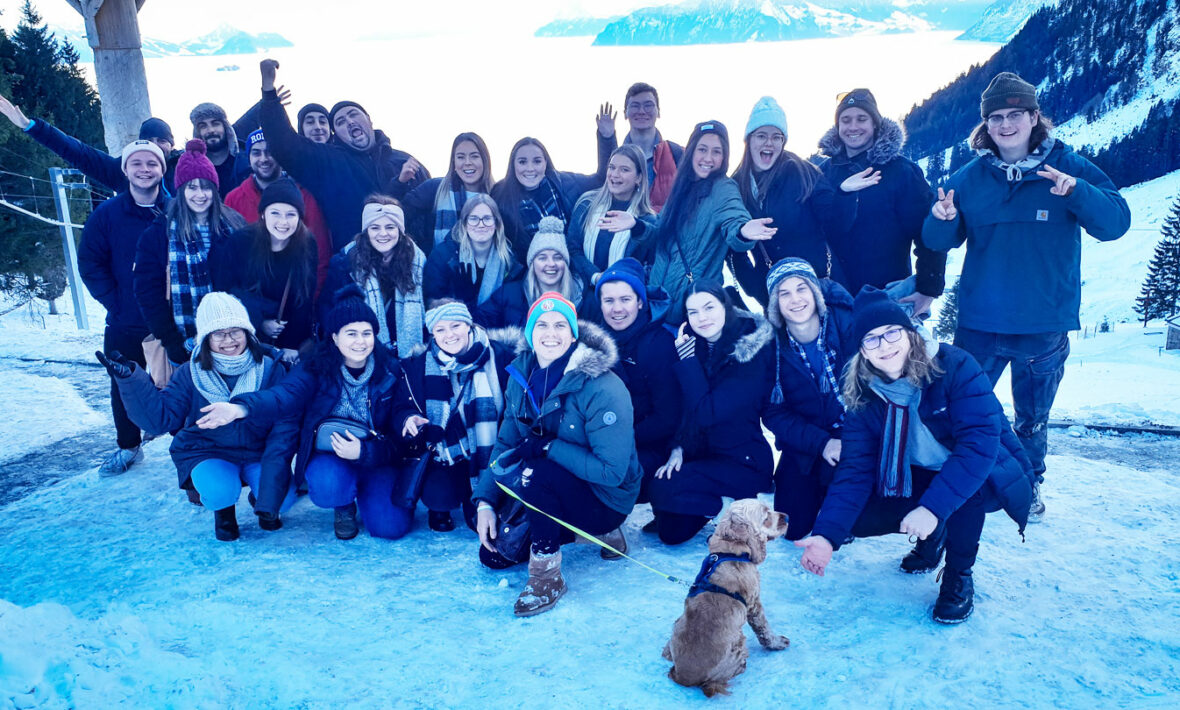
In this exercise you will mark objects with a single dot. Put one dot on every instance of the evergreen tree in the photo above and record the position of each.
(1160, 297)
(948, 315)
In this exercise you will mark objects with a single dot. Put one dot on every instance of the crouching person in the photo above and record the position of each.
(350, 392)
(228, 361)
(568, 429)
(925, 446)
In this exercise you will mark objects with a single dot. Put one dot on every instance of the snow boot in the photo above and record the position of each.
(120, 461)
(545, 585)
(269, 521)
(956, 597)
(615, 539)
(1036, 511)
(345, 522)
(440, 520)
(926, 555)
(225, 524)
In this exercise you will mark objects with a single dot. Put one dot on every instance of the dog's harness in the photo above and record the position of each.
(708, 567)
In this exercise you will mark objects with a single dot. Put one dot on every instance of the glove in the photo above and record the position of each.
(532, 447)
(118, 366)
(433, 434)
(687, 349)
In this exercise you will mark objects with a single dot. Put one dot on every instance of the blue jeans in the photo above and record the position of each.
(1038, 363)
(220, 483)
(333, 482)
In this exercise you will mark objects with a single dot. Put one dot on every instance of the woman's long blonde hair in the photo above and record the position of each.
(920, 370)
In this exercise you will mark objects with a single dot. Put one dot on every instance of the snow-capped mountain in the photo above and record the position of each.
(1003, 19)
(225, 40)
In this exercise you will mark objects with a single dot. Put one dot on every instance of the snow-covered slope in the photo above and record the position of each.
(1003, 19)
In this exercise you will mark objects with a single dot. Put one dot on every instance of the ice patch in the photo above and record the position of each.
(39, 411)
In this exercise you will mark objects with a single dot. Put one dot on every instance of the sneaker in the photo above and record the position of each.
(345, 523)
(120, 461)
(440, 520)
(1036, 511)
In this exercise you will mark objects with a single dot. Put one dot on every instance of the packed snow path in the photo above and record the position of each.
(115, 593)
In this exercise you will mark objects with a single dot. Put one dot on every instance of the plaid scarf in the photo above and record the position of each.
(463, 396)
(531, 211)
(188, 270)
(829, 383)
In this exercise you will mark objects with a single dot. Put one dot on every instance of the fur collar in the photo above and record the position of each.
(747, 346)
(595, 353)
(888, 145)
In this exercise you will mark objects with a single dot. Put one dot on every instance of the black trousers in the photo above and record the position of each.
(129, 342)
(563, 495)
(882, 516)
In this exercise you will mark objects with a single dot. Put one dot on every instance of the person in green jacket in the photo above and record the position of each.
(566, 446)
(703, 218)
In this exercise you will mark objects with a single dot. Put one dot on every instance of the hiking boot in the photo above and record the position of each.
(225, 524)
(345, 523)
(545, 585)
(269, 521)
(440, 520)
(926, 555)
(956, 597)
(120, 461)
(615, 539)
(1036, 511)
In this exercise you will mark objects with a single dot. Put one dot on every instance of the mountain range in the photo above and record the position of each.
(225, 40)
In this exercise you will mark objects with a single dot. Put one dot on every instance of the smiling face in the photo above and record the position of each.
(262, 164)
(622, 177)
(144, 170)
(452, 336)
(796, 300)
(707, 156)
(315, 127)
(642, 111)
(620, 304)
(212, 131)
(383, 235)
(1011, 129)
(228, 341)
(354, 128)
(765, 145)
(549, 268)
(889, 358)
(281, 221)
(468, 162)
(529, 166)
(856, 130)
(481, 225)
(198, 197)
(355, 342)
(552, 337)
(706, 315)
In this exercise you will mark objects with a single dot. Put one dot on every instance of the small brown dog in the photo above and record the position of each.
(708, 644)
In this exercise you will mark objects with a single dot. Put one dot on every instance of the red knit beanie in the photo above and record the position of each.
(193, 164)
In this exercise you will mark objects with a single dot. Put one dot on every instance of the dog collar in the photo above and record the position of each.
(703, 584)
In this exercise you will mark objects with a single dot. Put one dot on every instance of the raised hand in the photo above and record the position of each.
(817, 553)
(13, 113)
(686, 344)
(116, 364)
(268, 68)
(756, 230)
(1062, 184)
(410, 168)
(606, 120)
(944, 208)
(284, 94)
(859, 181)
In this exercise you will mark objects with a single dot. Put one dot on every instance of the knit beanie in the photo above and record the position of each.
(550, 301)
(862, 99)
(193, 164)
(767, 112)
(550, 235)
(374, 211)
(284, 191)
(337, 108)
(255, 137)
(310, 108)
(783, 270)
(874, 308)
(140, 146)
(220, 311)
(350, 308)
(628, 270)
(453, 310)
(212, 112)
(155, 128)
(1008, 90)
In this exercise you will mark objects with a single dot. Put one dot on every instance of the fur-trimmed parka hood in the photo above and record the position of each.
(887, 146)
(750, 344)
(595, 352)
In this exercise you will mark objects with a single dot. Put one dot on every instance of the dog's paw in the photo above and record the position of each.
(778, 643)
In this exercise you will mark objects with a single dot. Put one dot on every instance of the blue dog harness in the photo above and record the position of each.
(708, 567)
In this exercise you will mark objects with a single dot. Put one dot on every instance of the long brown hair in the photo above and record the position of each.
(221, 218)
(807, 173)
(299, 253)
(920, 370)
(451, 181)
(982, 140)
(398, 272)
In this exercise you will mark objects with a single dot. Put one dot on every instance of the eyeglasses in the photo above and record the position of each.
(776, 138)
(647, 106)
(223, 335)
(486, 220)
(996, 120)
(874, 341)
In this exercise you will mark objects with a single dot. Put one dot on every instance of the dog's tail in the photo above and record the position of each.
(715, 687)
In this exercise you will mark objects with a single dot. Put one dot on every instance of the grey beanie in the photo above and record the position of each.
(1007, 90)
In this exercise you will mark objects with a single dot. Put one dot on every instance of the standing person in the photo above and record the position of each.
(387, 265)
(790, 193)
(351, 378)
(547, 268)
(433, 208)
(641, 108)
(614, 221)
(703, 217)
(227, 362)
(172, 272)
(357, 162)
(533, 188)
(475, 261)
(926, 449)
(811, 319)
(724, 370)
(211, 125)
(888, 212)
(270, 266)
(568, 431)
(106, 257)
(313, 123)
(1020, 206)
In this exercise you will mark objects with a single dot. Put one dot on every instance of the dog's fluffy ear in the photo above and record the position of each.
(775, 524)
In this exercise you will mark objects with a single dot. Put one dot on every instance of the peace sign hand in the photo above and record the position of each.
(686, 344)
(859, 181)
(944, 208)
(1063, 184)
(606, 120)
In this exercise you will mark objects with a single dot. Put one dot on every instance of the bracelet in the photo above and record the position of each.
(484, 505)
(29, 127)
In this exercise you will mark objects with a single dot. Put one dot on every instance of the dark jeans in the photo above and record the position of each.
(882, 516)
(444, 487)
(676, 529)
(129, 342)
(1038, 363)
(563, 495)
(799, 496)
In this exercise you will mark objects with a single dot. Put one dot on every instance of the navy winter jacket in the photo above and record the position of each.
(641, 244)
(961, 411)
(106, 256)
(447, 277)
(1022, 271)
(887, 218)
(100, 167)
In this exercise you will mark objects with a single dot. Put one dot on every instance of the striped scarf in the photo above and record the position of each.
(376, 301)
(905, 440)
(446, 213)
(463, 396)
(531, 211)
(188, 272)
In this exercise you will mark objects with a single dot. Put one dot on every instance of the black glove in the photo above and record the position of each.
(532, 447)
(117, 365)
(433, 434)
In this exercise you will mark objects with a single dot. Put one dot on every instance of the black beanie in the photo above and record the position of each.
(1008, 90)
(155, 128)
(310, 108)
(283, 190)
(350, 308)
(874, 308)
(862, 99)
(337, 108)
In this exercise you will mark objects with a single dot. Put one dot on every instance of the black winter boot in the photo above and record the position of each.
(345, 523)
(269, 521)
(225, 524)
(956, 597)
(440, 520)
(926, 555)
